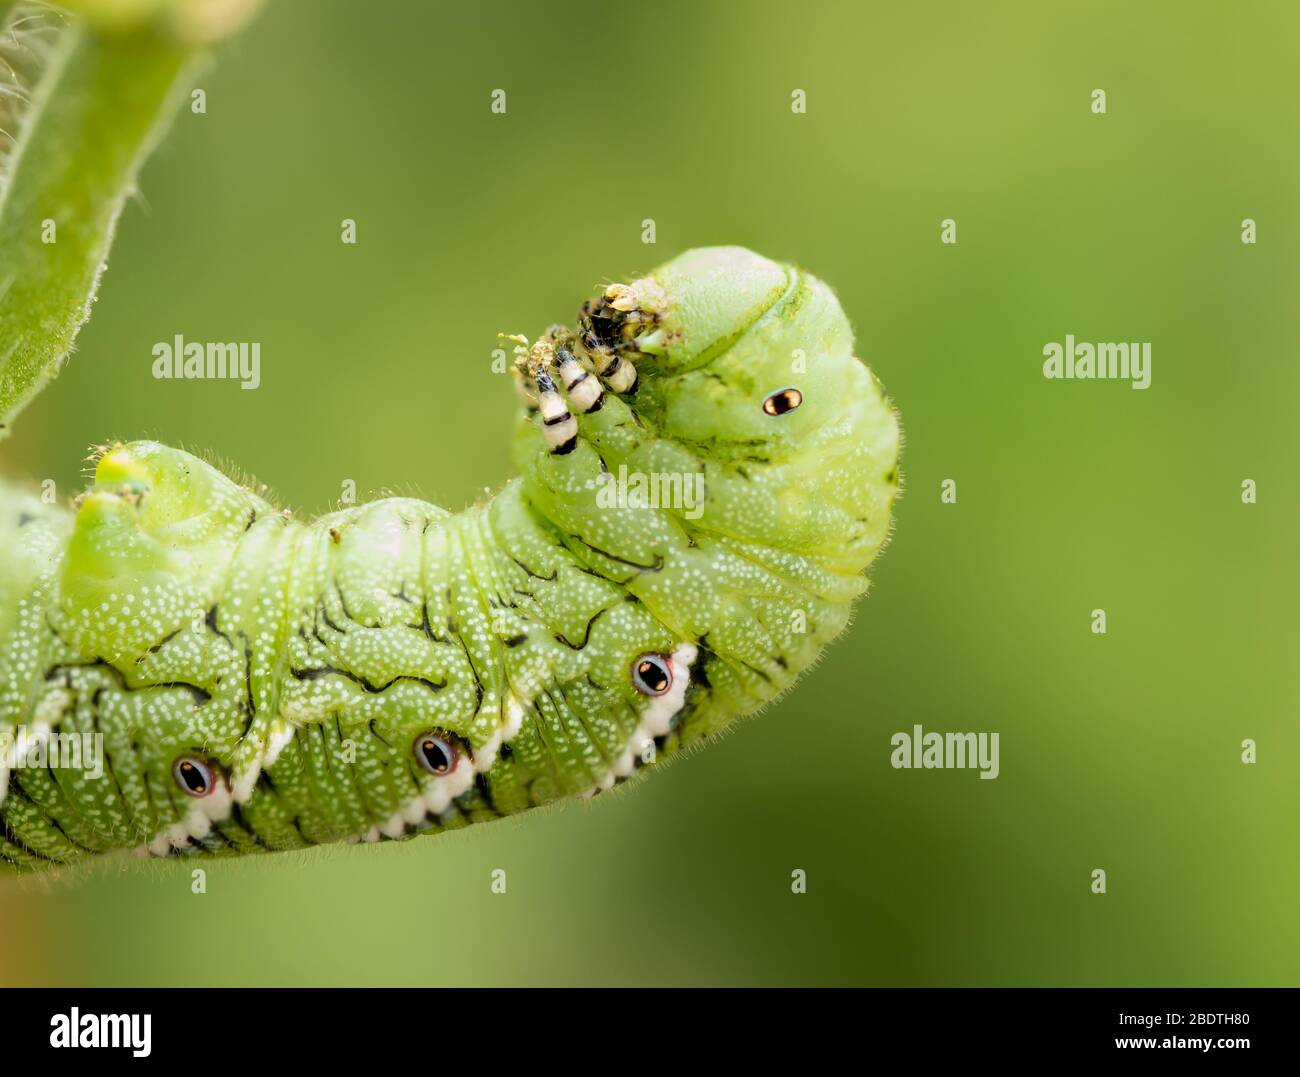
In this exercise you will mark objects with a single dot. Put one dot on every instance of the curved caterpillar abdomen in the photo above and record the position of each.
(259, 684)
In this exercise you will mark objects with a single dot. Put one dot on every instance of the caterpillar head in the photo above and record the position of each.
(737, 486)
(731, 350)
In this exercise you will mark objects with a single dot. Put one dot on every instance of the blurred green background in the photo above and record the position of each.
(1119, 752)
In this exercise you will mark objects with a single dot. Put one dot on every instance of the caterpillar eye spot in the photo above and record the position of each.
(652, 674)
(437, 753)
(194, 776)
(783, 400)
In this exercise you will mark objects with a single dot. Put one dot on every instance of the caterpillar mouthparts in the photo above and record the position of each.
(706, 472)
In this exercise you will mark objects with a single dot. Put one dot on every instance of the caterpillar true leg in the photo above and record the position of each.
(538, 369)
(582, 387)
(676, 551)
(560, 426)
(617, 372)
(620, 324)
(535, 375)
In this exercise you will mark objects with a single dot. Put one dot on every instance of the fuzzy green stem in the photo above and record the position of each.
(96, 105)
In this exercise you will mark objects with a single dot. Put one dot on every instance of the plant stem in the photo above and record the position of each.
(94, 108)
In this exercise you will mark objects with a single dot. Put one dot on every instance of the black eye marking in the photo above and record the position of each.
(437, 752)
(783, 400)
(194, 775)
(652, 674)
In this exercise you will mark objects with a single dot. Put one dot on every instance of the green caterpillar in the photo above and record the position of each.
(392, 669)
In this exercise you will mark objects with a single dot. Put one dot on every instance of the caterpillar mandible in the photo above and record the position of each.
(392, 669)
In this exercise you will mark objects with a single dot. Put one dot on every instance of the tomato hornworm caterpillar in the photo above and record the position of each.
(257, 683)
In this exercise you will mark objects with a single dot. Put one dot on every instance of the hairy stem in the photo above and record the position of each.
(79, 114)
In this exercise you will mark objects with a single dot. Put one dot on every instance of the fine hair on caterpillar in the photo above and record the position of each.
(706, 471)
